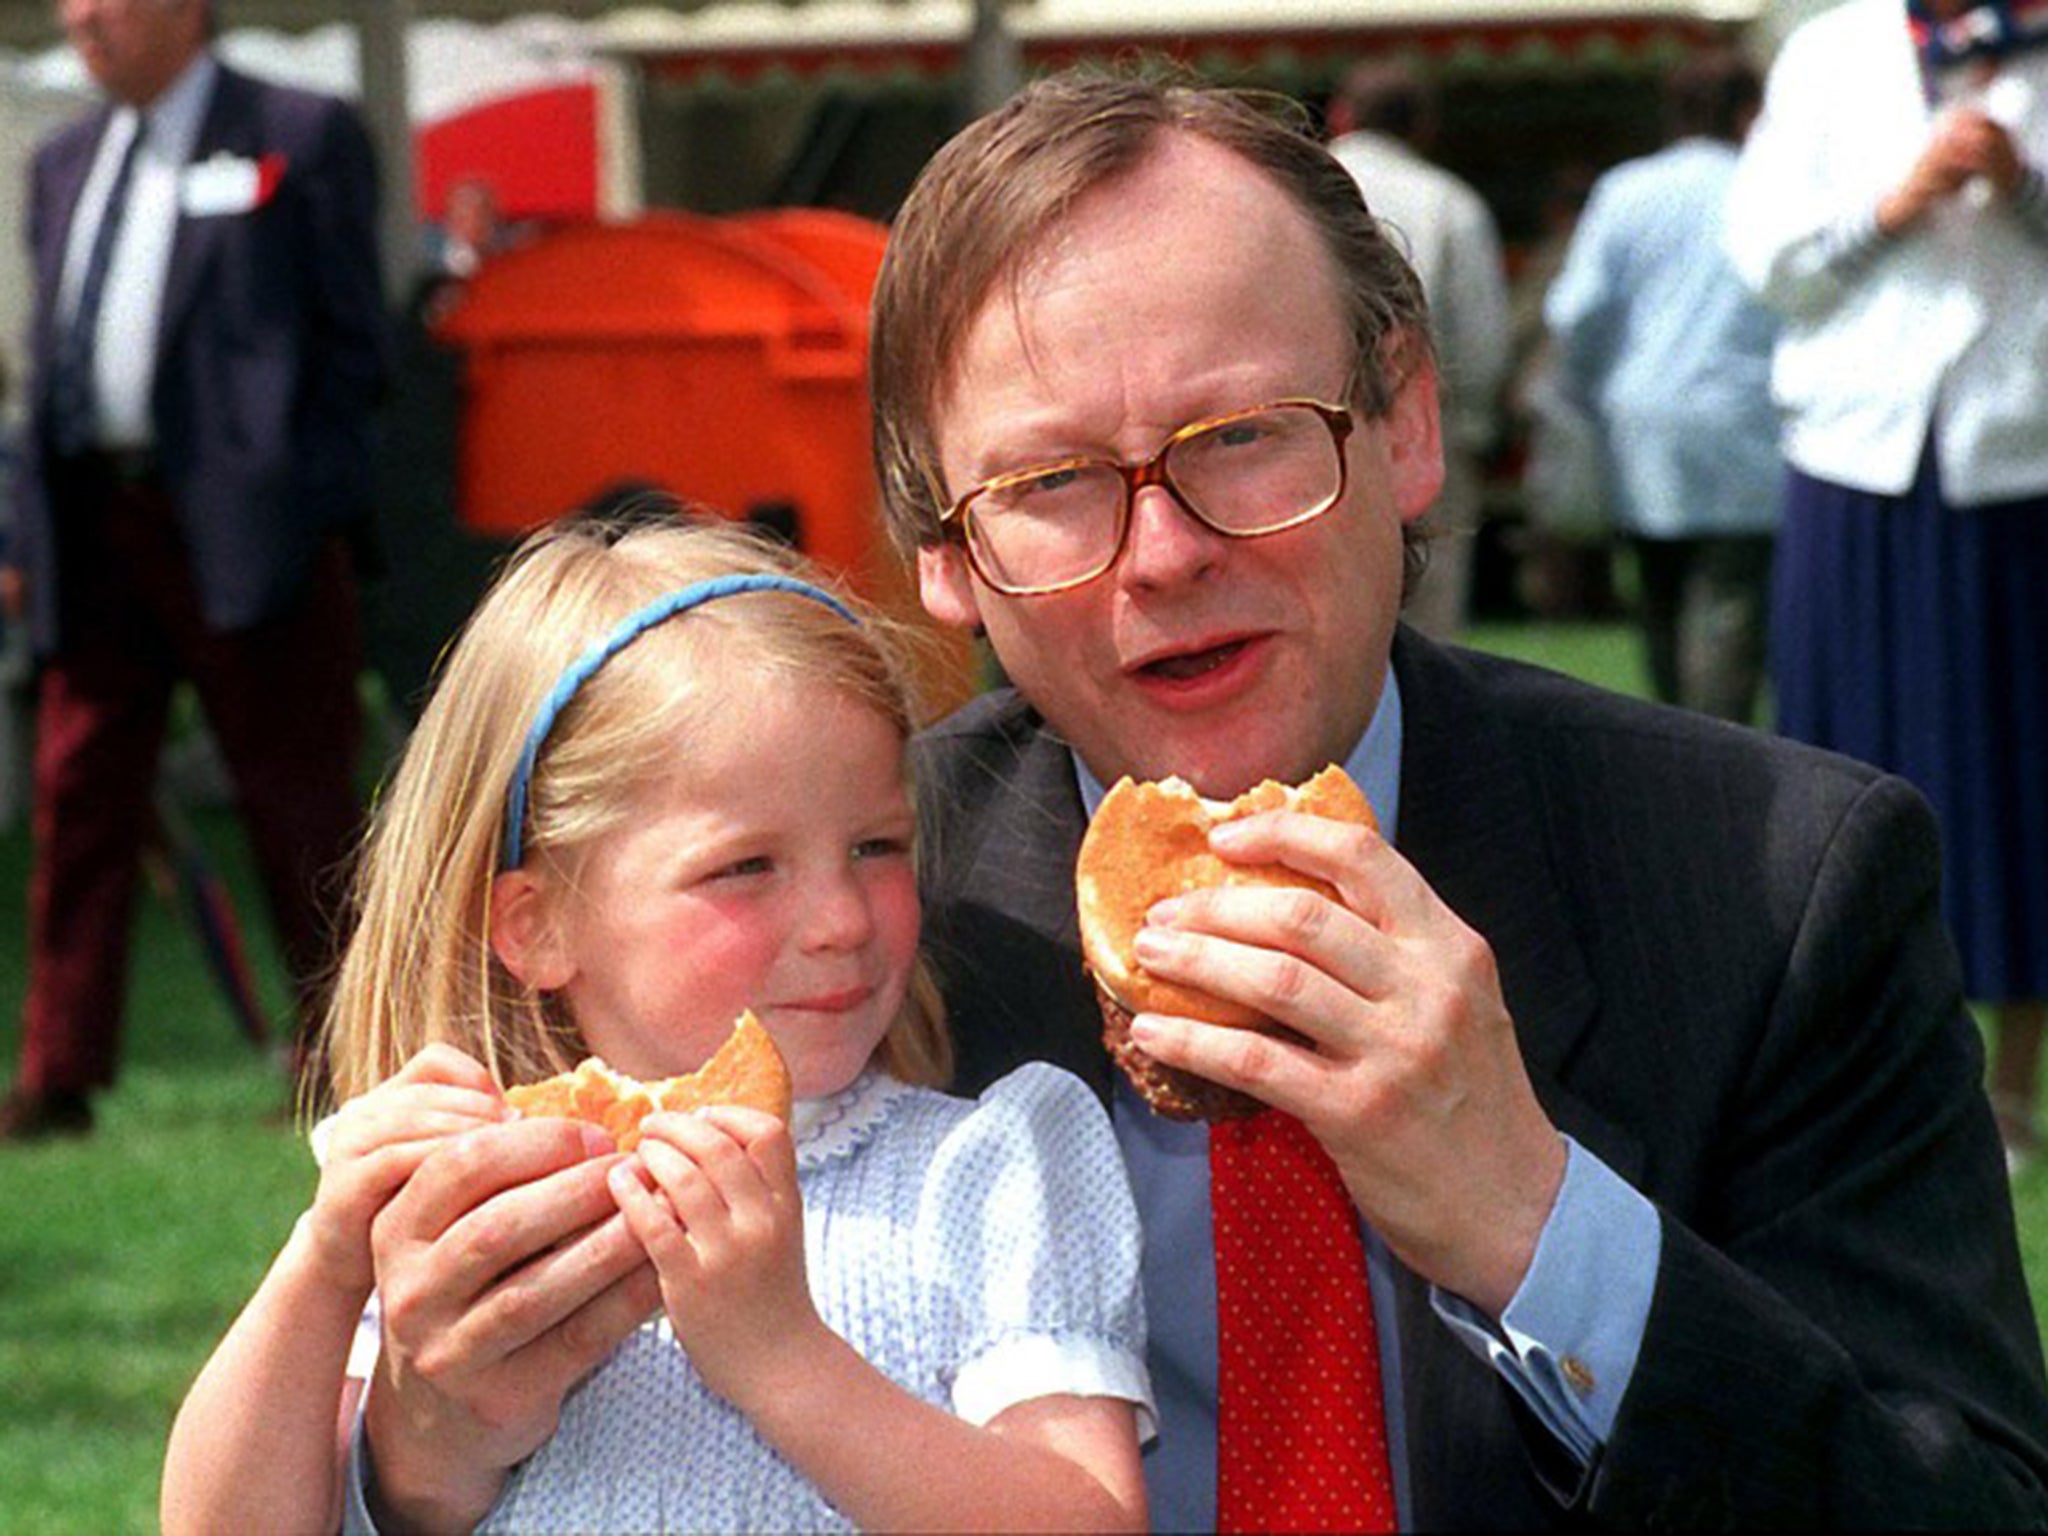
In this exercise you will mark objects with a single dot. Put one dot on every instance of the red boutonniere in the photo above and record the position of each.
(269, 172)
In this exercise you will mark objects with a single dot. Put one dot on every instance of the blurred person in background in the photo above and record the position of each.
(1384, 121)
(1891, 204)
(1564, 548)
(415, 606)
(208, 346)
(1668, 355)
(472, 228)
(14, 704)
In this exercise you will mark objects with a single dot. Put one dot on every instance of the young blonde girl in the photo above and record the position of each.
(908, 1310)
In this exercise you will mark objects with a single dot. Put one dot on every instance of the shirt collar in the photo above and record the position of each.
(175, 116)
(1375, 763)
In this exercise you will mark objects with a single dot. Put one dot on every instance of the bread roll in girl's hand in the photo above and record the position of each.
(747, 1070)
(1150, 841)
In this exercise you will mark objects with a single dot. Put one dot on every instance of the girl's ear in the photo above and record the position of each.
(523, 932)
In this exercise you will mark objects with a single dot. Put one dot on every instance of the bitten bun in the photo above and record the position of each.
(1150, 841)
(746, 1070)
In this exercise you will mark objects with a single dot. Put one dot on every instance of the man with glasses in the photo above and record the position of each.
(1635, 1079)
(1633, 1053)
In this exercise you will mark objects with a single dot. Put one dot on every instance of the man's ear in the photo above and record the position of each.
(523, 932)
(1413, 430)
(947, 586)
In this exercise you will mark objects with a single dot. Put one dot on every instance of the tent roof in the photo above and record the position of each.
(31, 24)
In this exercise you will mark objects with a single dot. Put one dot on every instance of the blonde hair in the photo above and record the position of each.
(419, 967)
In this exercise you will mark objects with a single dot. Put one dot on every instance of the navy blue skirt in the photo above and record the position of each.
(1914, 635)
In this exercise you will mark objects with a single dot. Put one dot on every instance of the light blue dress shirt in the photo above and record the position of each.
(1665, 349)
(1567, 1343)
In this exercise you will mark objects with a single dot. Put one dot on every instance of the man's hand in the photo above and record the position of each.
(506, 1274)
(377, 1140)
(1412, 1081)
(1964, 146)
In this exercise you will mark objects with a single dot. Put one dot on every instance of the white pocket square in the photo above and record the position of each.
(227, 184)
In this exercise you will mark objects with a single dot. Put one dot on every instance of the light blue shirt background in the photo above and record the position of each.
(1666, 351)
(1585, 1299)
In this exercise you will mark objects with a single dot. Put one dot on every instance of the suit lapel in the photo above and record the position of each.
(1034, 839)
(227, 126)
(67, 170)
(1474, 824)
(1016, 885)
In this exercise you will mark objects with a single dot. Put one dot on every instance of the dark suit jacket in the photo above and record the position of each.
(1730, 980)
(271, 353)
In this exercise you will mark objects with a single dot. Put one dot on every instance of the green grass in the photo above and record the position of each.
(123, 1257)
(1600, 653)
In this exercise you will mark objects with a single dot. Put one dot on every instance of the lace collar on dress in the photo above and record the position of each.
(836, 1125)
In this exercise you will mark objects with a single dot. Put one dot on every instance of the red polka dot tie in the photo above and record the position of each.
(1301, 1424)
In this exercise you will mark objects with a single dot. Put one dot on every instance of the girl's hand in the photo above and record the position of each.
(376, 1141)
(712, 1196)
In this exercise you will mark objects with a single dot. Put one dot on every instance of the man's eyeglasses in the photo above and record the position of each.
(1252, 472)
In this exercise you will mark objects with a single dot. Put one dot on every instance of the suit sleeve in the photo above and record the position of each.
(27, 491)
(15, 511)
(1842, 1335)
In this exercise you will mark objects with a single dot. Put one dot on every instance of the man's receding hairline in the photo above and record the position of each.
(1009, 281)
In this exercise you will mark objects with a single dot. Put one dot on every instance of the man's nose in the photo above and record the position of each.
(1167, 544)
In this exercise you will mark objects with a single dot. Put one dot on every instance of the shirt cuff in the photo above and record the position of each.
(1041, 1365)
(1852, 243)
(1569, 1339)
(368, 1342)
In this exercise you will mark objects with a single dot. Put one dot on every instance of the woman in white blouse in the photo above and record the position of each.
(1891, 205)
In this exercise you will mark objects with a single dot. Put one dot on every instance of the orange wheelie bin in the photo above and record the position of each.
(721, 360)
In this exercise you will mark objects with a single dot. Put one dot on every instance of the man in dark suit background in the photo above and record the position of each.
(208, 347)
(1636, 1043)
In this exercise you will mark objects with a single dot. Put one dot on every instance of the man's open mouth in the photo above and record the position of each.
(1193, 663)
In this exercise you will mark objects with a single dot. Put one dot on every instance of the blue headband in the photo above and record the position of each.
(630, 629)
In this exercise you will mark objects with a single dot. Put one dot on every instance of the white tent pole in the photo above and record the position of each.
(382, 27)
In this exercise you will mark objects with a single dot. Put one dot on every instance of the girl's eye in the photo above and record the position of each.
(882, 848)
(759, 864)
